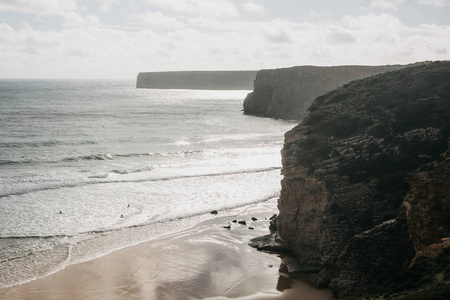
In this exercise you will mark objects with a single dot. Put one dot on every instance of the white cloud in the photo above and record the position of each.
(384, 39)
(435, 3)
(158, 21)
(39, 7)
(277, 31)
(319, 15)
(386, 4)
(67, 10)
(340, 36)
(105, 5)
(72, 52)
(252, 7)
(74, 19)
(277, 35)
(438, 50)
(197, 36)
(220, 9)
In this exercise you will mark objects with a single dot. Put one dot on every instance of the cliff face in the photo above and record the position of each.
(201, 80)
(428, 203)
(342, 206)
(287, 93)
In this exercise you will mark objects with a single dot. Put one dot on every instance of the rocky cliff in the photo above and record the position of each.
(201, 80)
(287, 93)
(352, 207)
(428, 203)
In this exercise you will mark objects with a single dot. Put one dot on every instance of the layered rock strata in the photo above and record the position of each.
(287, 93)
(201, 80)
(428, 203)
(342, 206)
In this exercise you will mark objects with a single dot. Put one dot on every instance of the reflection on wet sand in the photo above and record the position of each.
(205, 262)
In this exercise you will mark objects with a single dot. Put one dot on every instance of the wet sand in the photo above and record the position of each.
(204, 262)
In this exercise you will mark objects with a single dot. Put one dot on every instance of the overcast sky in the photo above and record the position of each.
(120, 38)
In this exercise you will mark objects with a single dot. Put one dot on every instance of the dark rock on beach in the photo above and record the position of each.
(273, 224)
(270, 242)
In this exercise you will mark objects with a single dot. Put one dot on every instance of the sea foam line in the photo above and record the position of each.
(112, 181)
(101, 157)
(118, 229)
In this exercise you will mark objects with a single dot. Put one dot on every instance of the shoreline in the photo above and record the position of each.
(206, 261)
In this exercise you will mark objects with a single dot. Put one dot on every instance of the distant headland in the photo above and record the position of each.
(197, 80)
(287, 93)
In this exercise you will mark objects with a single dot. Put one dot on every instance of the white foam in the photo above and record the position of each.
(182, 142)
(99, 207)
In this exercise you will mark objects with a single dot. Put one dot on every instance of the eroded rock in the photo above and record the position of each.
(345, 167)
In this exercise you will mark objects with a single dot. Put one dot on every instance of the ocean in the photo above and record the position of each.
(93, 166)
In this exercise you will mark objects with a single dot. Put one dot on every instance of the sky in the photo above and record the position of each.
(120, 38)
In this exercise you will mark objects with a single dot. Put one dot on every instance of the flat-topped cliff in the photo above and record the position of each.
(198, 80)
(287, 93)
(365, 196)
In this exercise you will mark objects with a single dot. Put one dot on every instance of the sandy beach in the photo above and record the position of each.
(207, 261)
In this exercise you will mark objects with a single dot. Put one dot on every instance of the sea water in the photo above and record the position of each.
(91, 166)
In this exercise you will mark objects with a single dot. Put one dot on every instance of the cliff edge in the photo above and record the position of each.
(287, 93)
(365, 193)
(199, 80)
